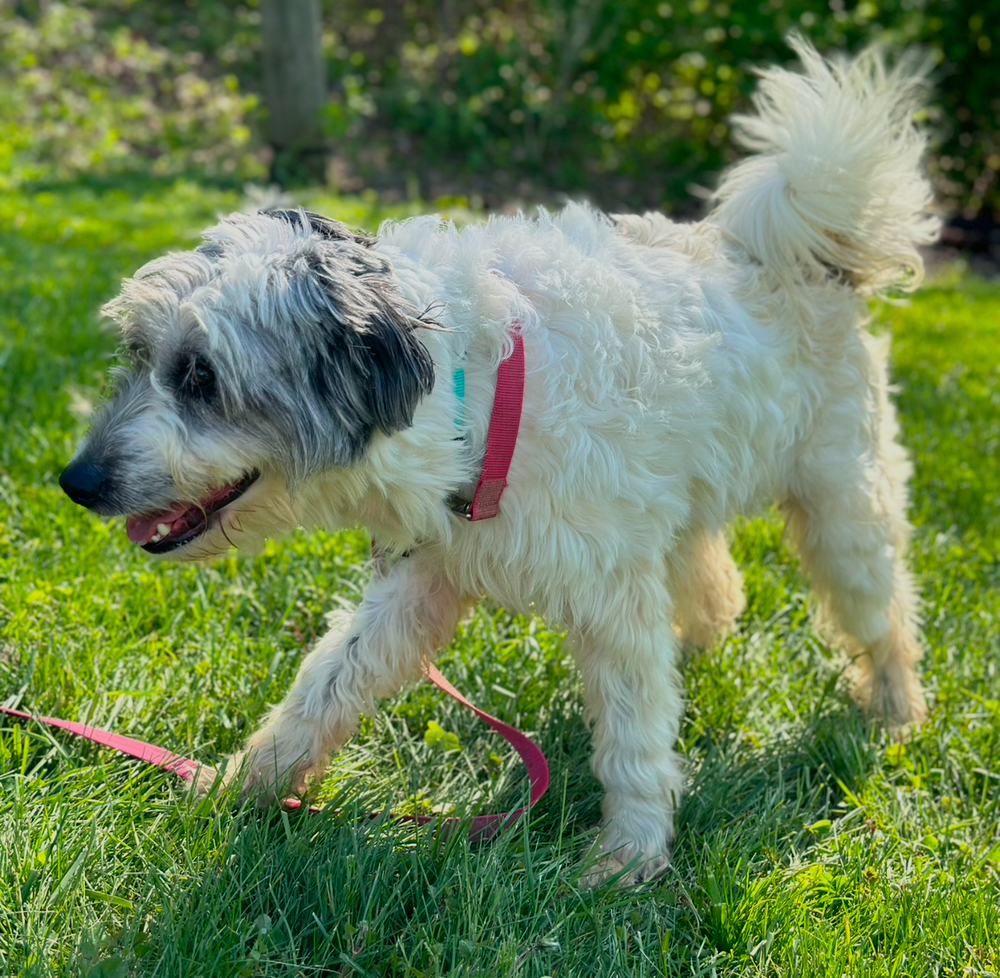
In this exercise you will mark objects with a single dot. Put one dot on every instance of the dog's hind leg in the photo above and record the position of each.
(707, 589)
(847, 518)
(626, 649)
(403, 619)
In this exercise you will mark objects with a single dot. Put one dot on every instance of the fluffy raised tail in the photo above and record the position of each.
(835, 186)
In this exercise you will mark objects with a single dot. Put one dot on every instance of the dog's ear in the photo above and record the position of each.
(326, 227)
(369, 368)
(394, 366)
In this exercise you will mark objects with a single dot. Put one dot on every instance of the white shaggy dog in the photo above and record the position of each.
(291, 372)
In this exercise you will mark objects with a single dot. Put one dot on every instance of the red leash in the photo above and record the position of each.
(183, 767)
(481, 828)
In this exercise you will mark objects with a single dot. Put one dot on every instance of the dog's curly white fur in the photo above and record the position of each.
(290, 372)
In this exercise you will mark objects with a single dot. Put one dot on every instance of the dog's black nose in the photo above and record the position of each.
(83, 482)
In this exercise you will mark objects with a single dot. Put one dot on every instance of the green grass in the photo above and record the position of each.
(810, 844)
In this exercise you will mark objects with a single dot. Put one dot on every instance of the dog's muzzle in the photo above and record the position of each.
(157, 530)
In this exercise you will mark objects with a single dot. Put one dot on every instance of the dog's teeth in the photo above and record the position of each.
(156, 538)
(162, 529)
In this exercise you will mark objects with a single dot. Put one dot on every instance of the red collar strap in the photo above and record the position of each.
(481, 829)
(501, 439)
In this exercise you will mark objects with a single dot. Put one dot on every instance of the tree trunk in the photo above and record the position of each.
(294, 88)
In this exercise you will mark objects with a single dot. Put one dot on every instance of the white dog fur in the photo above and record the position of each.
(677, 375)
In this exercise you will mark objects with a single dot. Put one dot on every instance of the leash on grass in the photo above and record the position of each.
(482, 828)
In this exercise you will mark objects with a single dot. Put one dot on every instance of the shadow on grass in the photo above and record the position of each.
(754, 807)
(757, 791)
(341, 893)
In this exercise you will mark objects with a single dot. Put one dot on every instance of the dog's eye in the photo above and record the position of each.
(200, 379)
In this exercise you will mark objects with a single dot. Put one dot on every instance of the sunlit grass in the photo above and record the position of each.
(811, 843)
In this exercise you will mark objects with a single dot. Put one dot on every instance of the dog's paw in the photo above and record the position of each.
(894, 697)
(609, 868)
(212, 782)
(266, 783)
(252, 777)
(898, 706)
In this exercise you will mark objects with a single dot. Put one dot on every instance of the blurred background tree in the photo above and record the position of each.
(294, 88)
(624, 101)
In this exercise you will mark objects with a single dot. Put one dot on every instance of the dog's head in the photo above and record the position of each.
(276, 350)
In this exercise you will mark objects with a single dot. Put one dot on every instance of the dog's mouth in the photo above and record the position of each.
(159, 533)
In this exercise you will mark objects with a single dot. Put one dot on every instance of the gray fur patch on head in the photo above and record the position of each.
(283, 332)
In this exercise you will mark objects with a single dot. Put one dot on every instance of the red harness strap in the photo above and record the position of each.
(481, 828)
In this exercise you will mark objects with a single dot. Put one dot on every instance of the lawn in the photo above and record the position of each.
(811, 842)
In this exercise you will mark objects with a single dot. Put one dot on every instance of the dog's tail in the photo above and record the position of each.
(835, 188)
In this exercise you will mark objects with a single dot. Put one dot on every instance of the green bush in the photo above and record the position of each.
(80, 97)
(632, 95)
(626, 100)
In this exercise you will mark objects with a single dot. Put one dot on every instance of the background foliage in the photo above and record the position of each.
(623, 99)
(81, 94)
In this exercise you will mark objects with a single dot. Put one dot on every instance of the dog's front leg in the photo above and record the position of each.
(404, 618)
(633, 694)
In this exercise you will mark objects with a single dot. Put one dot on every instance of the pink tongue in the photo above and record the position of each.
(141, 529)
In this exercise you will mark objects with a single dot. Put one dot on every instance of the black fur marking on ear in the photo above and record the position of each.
(211, 250)
(400, 370)
(367, 367)
(359, 262)
(372, 376)
(326, 227)
(359, 362)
